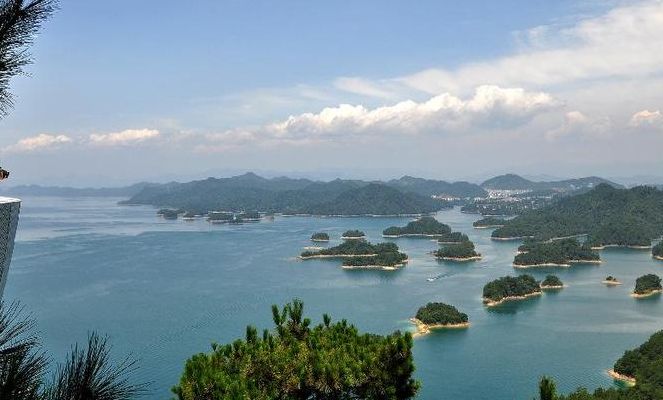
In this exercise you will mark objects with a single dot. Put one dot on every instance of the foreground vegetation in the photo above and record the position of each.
(424, 226)
(297, 360)
(509, 287)
(625, 217)
(458, 251)
(556, 252)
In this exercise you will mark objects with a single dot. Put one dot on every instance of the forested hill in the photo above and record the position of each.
(295, 196)
(429, 187)
(629, 217)
(61, 191)
(516, 182)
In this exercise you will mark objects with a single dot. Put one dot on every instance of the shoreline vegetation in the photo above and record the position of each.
(551, 282)
(320, 237)
(611, 281)
(460, 252)
(629, 380)
(423, 227)
(646, 286)
(438, 316)
(509, 288)
(360, 254)
(557, 253)
(353, 234)
(489, 223)
(657, 251)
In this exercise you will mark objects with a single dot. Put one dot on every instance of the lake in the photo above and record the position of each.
(164, 290)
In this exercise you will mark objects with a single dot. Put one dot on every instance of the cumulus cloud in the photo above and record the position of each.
(445, 113)
(42, 141)
(123, 138)
(646, 118)
(577, 123)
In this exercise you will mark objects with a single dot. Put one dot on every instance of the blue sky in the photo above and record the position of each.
(122, 91)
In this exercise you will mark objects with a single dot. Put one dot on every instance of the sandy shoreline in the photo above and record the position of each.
(460, 259)
(645, 295)
(487, 226)
(493, 303)
(525, 266)
(382, 267)
(335, 256)
(319, 240)
(611, 283)
(510, 238)
(658, 258)
(629, 380)
(424, 329)
(353, 237)
(551, 287)
(427, 235)
(620, 245)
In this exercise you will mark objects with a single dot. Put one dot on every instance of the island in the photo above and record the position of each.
(489, 222)
(611, 281)
(647, 285)
(189, 216)
(438, 316)
(422, 227)
(453, 237)
(552, 282)
(353, 234)
(657, 251)
(554, 253)
(168, 213)
(320, 237)
(360, 254)
(509, 288)
(609, 216)
(463, 251)
(216, 217)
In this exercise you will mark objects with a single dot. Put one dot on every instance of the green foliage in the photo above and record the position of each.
(440, 313)
(353, 233)
(489, 222)
(383, 258)
(657, 251)
(453, 237)
(382, 254)
(348, 247)
(422, 226)
(608, 215)
(547, 389)
(647, 283)
(457, 250)
(509, 286)
(556, 252)
(552, 280)
(300, 361)
(320, 236)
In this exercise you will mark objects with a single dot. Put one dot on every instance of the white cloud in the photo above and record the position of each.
(40, 142)
(577, 123)
(125, 137)
(646, 118)
(362, 87)
(445, 113)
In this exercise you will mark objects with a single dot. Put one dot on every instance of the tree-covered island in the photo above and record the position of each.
(554, 253)
(320, 237)
(611, 281)
(353, 234)
(552, 282)
(422, 227)
(299, 360)
(647, 285)
(657, 251)
(361, 254)
(463, 251)
(510, 288)
(439, 315)
(489, 222)
(169, 213)
(453, 237)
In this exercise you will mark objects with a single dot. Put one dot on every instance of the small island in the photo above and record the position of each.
(552, 282)
(489, 223)
(168, 213)
(611, 281)
(353, 234)
(189, 216)
(453, 237)
(463, 251)
(556, 253)
(509, 288)
(320, 237)
(217, 217)
(422, 227)
(647, 285)
(657, 251)
(360, 254)
(438, 316)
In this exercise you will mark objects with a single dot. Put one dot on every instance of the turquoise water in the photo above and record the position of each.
(164, 290)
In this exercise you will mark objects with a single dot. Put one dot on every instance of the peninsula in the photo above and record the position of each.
(509, 288)
(438, 316)
(489, 222)
(647, 285)
(463, 251)
(552, 282)
(554, 253)
(423, 227)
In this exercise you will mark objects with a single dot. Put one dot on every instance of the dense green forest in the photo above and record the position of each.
(462, 250)
(453, 237)
(609, 215)
(440, 314)
(560, 251)
(298, 360)
(644, 363)
(353, 247)
(422, 226)
(292, 196)
(510, 286)
(552, 281)
(657, 251)
(353, 233)
(489, 222)
(383, 258)
(320, 237)
(647, 284)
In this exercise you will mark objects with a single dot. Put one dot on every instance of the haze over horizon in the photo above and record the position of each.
(373, 90)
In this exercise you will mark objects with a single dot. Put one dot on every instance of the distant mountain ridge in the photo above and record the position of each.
(517, 182)
(61, 191)
(430, 187)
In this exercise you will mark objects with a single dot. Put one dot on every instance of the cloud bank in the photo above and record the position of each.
(123, 138)
(42, 141)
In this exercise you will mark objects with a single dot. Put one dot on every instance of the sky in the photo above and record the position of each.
(160, 90)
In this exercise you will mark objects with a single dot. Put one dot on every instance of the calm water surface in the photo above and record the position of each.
(164, 290)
